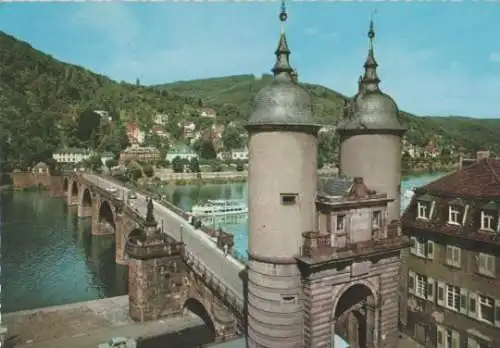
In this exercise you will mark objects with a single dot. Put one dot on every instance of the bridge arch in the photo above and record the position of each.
(86, 198)
(74, 189)
(195, 306)
(106, 214)
(65, 184)
(352, 318)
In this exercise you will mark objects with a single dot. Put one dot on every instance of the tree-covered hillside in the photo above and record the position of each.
(43, 100)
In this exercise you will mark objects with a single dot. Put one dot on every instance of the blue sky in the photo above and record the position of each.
(437, 58)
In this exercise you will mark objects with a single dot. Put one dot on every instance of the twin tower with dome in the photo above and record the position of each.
(323, 262)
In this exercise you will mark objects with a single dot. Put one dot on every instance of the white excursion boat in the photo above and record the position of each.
(220, 211)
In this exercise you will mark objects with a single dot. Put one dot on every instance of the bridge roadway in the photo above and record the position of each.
(225, 267)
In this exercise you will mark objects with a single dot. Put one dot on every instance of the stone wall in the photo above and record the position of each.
(324, 288)
(156, 287)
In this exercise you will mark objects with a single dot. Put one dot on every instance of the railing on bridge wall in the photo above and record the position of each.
(226, 294)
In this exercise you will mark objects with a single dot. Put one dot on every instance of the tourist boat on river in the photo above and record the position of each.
(220, 211)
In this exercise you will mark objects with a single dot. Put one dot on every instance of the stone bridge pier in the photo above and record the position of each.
(107, 213)
(71, 188)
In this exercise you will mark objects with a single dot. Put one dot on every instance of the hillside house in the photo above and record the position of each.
(182, 151)
(146, 154)
(208, 113)
(134, 133)
(187, 128)
(72, 155)
(40, 168)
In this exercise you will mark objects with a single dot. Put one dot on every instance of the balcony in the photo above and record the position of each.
(316, 245)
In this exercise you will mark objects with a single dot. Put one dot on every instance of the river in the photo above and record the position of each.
(49, 257)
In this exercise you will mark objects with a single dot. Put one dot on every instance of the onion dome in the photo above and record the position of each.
(371, 108)
(284, 102)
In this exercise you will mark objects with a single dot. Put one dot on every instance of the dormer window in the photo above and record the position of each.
(487, 221)
(454, 215)
(425, 204)
(456, 212)
(422, 210)
(488, 216)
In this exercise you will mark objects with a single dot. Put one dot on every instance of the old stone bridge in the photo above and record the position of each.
(176, 267)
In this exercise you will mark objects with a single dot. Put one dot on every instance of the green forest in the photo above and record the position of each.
(46, 104)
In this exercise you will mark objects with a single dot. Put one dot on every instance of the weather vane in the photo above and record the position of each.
(283, 14)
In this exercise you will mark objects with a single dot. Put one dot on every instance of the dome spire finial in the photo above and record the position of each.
(370, 78)
(282, 68)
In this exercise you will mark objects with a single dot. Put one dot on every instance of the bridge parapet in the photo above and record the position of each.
(227, 295)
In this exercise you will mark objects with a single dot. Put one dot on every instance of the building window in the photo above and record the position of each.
(288, 299)
(486, 264)
(420, 285)
(487, 221)
(486, 309)
(474, 343)
(340, 223)
(452, 297)
(453, 256)
(376, 220)
(288, 198)
(422, 210)
(447, 338)
(422, 248)
(453, 215)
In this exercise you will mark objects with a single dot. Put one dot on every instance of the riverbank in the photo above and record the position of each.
(85, 324)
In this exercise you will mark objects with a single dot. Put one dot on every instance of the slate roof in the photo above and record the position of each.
(336, 186)
(480, 180)
(472, 190)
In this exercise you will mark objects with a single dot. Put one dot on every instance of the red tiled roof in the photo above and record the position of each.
(481, 180)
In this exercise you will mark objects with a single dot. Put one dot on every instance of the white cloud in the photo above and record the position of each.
(311, 31)
(494, 57)
(421, 81)
(112, 20)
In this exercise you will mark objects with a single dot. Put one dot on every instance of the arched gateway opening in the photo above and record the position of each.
(74, 189)
(86, 198)
(354, 316)
(65, 185)
(106, 217)
(196, 307)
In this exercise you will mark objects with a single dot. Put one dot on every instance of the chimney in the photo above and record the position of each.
(480, 155)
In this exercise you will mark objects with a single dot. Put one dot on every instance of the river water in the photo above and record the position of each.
(49, 257)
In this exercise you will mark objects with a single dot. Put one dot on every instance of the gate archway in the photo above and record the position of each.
(106, 214)
(74, 189)
(353, 315)
(196, 307)
(86, 198)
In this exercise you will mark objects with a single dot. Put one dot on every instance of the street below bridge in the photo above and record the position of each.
(225, 267)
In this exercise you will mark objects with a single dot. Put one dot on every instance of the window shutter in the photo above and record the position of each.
(457, 257)
(430, 249)
(472, 310)
(463, 301)
(449, 254)
(471, 343)
(433, 206)
(413, 245)
(441, 295)
(441, 337)
(431, 289)
(455, 339)
(497, 313)
(411, 282)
